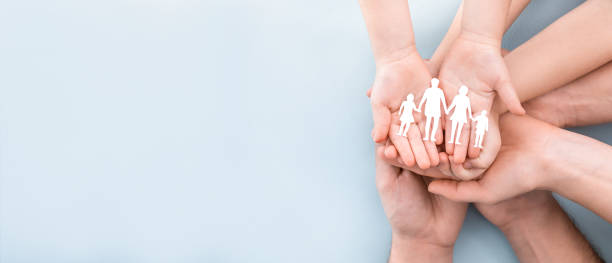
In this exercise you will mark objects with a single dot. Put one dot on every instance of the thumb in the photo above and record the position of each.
(508, 95)
(466, 191)
(382, 121)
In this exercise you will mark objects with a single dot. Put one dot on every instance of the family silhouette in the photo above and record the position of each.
(432, 98)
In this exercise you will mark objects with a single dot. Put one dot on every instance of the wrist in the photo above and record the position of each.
(403, 54)
(534, 210)
(405, 249)
(481, 39)
(539, 231)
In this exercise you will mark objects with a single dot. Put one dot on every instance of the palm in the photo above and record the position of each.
(394, 81)
(526, 141)
(413, 211)
(481, 68)
(477, 66)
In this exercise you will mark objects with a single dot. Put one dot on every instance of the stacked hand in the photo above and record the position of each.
(425, 180)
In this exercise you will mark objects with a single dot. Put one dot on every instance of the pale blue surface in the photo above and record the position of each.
(200, 131)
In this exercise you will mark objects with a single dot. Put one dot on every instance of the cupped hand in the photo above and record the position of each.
(447, 169)
(477, 63)
(413, 212)
(394, 81)
(521, 165)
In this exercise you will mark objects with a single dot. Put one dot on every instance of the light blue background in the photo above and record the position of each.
(207, 131)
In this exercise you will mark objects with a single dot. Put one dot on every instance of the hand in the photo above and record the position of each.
(536, 225)
(525, 141)
(475, 167)
(513, 212)
(477, 63)
(394, 80)
(421, 223)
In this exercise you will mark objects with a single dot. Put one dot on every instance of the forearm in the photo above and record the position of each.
(572, 46)
(548, 235)
(516, 8)
(389, 27)
(579, 169)
(403, 250)
(585, 101)
(485, 19)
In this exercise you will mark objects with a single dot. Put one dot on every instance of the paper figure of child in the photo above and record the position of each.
(432, 98)
(482, 125)
(461, 103)
(406, 115)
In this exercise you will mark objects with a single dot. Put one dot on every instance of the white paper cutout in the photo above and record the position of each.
(432, 98)
(406, 115)
(461, 104)
(482, 125)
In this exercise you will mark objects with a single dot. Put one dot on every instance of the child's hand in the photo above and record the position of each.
(478, 64)
(473, 168)
(394, 80)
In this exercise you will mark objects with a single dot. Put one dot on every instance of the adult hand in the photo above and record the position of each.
(520, 167)
(424, 226)
(510, 214)
(537, 227)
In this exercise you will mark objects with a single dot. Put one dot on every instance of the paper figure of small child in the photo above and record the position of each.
(432, 98)
(405, 113)
(482, 125)
(461, 103)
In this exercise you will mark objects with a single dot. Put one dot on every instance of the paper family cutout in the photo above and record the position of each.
(460, 106)
(406, 116)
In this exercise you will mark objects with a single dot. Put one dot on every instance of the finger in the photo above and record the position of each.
(414, 169)
(504, 52)
(418, 148)
(369, 92)
(492, 144)
(439, 133)
(461, 191)
(449, 145)
(432, 152)
(390, 151)
(462, 173)
(385, 172)
(382, 121)
(444, 165)
(460, 150)
(402, 146)
(473, 151)
(508, 95)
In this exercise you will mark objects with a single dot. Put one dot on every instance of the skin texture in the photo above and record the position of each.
(399, 71)
(538, 229)
(536, 67)
(475, 60)
(570, 164)
(588, 98)
(516, 7)
(523, 234)
(582, 36)
(424, 226)
(478, 165)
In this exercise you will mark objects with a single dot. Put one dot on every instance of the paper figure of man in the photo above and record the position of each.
(432, 98)
(405, 113)
(461, 103)
(482, 126)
